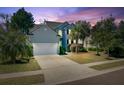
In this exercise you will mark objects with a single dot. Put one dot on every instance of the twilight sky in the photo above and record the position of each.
(71, 14)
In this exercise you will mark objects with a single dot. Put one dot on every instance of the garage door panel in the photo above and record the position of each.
(44, 48)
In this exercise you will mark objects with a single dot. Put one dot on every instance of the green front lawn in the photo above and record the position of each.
(25, 80)
(88, 57)
(108, 65)
(19, 67)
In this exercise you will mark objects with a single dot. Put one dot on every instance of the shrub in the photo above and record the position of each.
(14, 45)
(68, 48)
(117, 52)
(82, 49)
(62, 51)
(94, 49)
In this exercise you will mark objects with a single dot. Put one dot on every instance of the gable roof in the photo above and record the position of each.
(64, 26)
(36, 26)
(53, 24)
(43, 34)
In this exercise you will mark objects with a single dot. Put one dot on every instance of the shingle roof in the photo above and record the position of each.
(53, 24)
(36, 26)
(63, 26)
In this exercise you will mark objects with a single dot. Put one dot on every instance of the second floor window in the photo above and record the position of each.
(67, 31)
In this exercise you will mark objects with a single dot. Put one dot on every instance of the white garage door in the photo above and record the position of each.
(45, 48)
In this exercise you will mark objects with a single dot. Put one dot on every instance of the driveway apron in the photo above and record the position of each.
(59, 69)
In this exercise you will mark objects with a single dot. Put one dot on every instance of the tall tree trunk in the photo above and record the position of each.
(83, 42)
(76, 45)
(86, 44)
(13, 59)
(97, 49)
(108, 52)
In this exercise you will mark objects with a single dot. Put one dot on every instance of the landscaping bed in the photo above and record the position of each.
(25, 80)
(88, 57)
(32, 65)
(108, 65)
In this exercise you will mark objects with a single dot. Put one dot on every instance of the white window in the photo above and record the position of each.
(60, 32)
(69, 31)
(74, 41)
(69, 41)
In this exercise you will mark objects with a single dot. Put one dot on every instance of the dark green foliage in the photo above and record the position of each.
(22, 20)
(79, 46)
(95, 49)
(14, 46)
(62, 51)
(68, 48)
(117, 52)
(82, 49)
(104, 34)
(80, 31)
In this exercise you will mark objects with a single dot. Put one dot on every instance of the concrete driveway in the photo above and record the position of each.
(58, 69)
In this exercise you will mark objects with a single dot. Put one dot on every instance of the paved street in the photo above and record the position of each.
(112, 78)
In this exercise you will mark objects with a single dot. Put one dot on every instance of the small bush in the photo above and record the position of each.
(68, 48)
(62, 51)
(117, 52)
(94, 49)
(82, 49)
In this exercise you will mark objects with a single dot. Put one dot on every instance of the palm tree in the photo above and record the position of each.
(13, 43)
(80, 30)
(84, 30)
(75, 34)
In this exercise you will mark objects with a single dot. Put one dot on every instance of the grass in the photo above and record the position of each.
(32, 65)
(108, 65)
(25, 80)
(88, 57)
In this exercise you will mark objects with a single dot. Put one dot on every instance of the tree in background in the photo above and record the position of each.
(107, 36)
(80, 31)
(22, 20)
(117, 48)
(121, 29)
(14, 44)
(84, 31)
(97, 36)
(75, 34)
(109, 29)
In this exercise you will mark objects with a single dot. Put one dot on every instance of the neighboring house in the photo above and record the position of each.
(46, 38)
